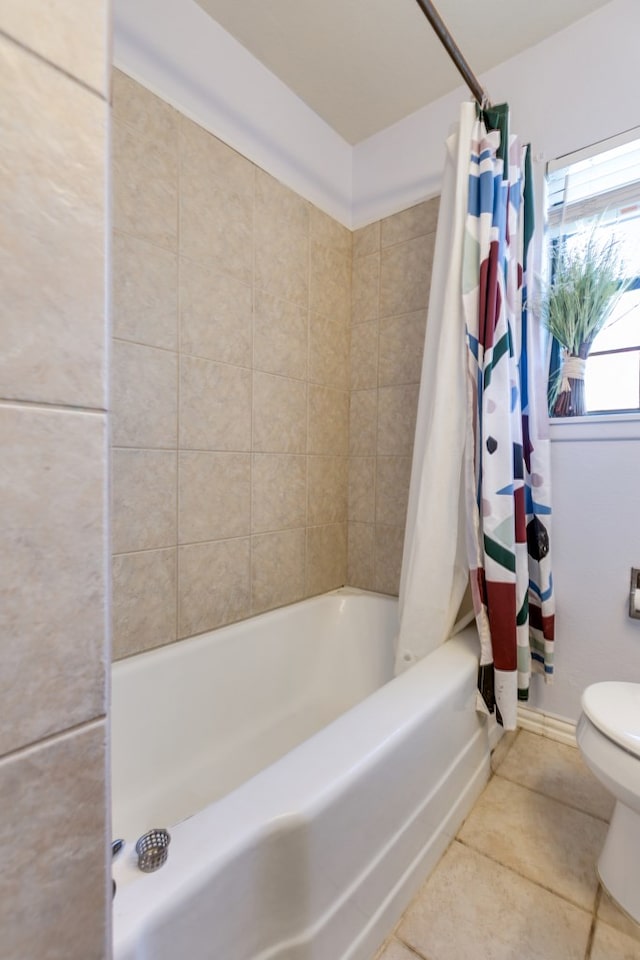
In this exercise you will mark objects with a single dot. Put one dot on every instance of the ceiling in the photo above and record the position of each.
(364, 64)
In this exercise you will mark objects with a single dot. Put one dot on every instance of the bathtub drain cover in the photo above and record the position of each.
(153, 849)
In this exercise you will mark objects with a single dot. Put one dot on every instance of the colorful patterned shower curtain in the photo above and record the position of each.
(480, 471)
(507, 457)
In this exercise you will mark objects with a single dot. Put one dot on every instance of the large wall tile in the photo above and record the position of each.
(274, 201)
(393, 475)
(329, 351)
(407, 224)
(52, 241)
(53, 837)
(361, 551)
(277, 569)
(145, 186)
(280, 337)
(144, 601)
(363, 418)
(264, 309)
(216, 203)
(366, 240)
(401, 348)
(214, 496)
(325, 230)
(405, 276)
(330, 283)
(364, 289)
(282, 260)
(151, 118)
(52, 492)
(216, 227)
(362, 487)
(397, 407)
(204, 157)
(214, 585)
(326, 567)
(215, 405)
(364, 356)
(328, 486)
(215, 315)
(279, 492)
(143, 499)
(279, 414)
(391, 281)
(144, 293)
(144, 387)
(328, 421)
(388, 558)
(72, 35)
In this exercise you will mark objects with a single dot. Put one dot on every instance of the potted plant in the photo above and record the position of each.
(579, 301)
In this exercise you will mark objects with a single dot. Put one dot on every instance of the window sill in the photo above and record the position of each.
(608, 426)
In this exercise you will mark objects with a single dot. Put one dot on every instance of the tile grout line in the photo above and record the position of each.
(222, 363)
(253, 367)
(594, 920)
(541, 793)
(542, 886)
(51, 407)
(177, 610)
(54, 66)
(513, 869)
(375, 455)
(408, 946)
(308, 411)
(71, 731)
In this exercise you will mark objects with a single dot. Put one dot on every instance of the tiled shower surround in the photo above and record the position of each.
(54, 117)
(235, 464)
(392, 262)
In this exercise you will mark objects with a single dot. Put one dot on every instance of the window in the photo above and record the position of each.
(597, 192)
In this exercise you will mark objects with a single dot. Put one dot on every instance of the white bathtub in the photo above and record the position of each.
(307, 793)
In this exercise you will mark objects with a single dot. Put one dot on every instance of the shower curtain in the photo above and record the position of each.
(479, 504)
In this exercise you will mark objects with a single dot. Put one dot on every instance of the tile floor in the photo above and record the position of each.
(519, 880)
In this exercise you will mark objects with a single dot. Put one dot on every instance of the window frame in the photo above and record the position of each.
(556, 212)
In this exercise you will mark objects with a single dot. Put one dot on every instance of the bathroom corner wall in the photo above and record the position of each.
(231, 307)
(392, 261)
(54, 892)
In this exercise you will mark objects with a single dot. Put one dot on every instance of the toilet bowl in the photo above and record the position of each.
(608, 736)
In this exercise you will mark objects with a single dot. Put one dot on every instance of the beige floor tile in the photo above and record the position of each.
(558, 771)
(610, 944)
(546, 841)
(611, 914)
(396, 951)
(504, 745)
(473, 908)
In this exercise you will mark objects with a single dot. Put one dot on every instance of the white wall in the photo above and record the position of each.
(595, 542)
(576, 88)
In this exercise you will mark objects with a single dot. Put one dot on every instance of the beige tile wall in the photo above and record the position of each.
(390, 290)
(54, 897)
(231, 310)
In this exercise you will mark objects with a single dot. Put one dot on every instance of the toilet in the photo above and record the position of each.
(608, 736)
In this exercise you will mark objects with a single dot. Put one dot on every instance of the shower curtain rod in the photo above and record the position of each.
(453, 50)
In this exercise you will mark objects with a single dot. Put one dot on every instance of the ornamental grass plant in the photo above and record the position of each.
(586, 287)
